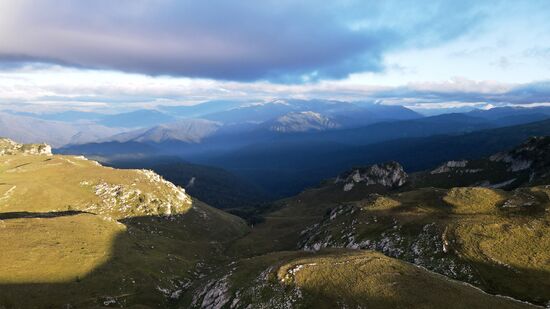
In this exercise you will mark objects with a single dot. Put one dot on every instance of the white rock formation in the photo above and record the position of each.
(389, 174)
(9, 147)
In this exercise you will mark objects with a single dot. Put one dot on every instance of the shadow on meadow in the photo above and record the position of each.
(146, 260)
(155, 257)
(43, 215)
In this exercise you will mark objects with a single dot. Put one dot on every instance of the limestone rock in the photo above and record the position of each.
(9, 147)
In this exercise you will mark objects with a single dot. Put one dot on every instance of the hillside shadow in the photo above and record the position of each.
(42, 215)
(157, 257)
(150, 260)
(521, 283)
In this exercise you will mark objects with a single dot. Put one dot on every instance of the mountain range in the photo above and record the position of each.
(57, 133)
(187, 123)
(300, 148)
(297, 142)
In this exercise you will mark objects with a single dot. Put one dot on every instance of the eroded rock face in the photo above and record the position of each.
(9, 147)
(532, 154)
(120, 200)
(390, 174)
(425, 244)
(459, 167)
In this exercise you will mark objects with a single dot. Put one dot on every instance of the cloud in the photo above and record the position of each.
(65, 88)
(282, 41)
(462, 91)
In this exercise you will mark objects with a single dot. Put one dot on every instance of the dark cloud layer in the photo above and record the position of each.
(537, 92)
(284, 41)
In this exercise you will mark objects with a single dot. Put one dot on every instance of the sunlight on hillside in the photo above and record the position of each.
(59, 214)
(61, 183)
(473, 200)
(522, 246)
(381, 282)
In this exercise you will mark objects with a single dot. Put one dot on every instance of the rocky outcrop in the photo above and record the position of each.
(121, 200)
(532, 154)
(460, 167)
(9, 147)
(528, 163)
(390, 174)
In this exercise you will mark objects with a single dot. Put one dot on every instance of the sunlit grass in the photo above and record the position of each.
(61, 183)
(346, 279)
(74, 232)
(373, 280)
(474, 200)
(479, 235)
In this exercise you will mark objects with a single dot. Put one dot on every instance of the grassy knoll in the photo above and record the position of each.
(77, 234)
(478, 235)
(337, 279)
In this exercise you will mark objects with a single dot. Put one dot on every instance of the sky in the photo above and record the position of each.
(111, 55)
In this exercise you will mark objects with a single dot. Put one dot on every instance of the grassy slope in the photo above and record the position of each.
(485, 245)
(376, 281)
(477, 235)
(290, 217)
(337, 279)
(67, 241)
(64, 241)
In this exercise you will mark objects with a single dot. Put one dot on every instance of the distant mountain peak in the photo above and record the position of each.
(280, 101)
(303, 121)
(186, 130)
